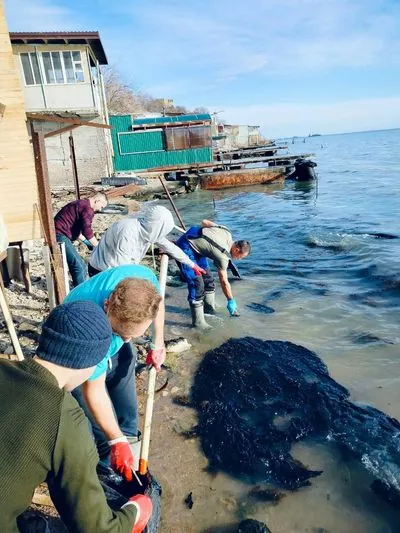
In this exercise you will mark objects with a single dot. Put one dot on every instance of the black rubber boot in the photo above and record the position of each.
(209, 303)
(197, 310)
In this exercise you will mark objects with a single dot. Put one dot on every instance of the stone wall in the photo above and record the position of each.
(91, 151)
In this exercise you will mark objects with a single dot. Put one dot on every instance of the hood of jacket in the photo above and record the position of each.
(156, 222)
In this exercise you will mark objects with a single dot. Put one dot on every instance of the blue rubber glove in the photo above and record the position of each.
(232, 307)
(88, 244)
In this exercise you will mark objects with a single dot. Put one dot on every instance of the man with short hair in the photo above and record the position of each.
(214, 242)
(74, 222)
(45, 434)
(130, 296)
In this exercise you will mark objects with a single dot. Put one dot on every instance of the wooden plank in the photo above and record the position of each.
(17, 169)
(120, 191)
(67, 120)
(46, 212)
(10, 324)
(61, 130)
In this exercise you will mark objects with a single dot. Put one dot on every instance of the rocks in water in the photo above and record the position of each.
(256, 398)
(260, 308)
(252, 526)
(178, 345)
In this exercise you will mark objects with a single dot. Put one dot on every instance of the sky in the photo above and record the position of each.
(291, 66)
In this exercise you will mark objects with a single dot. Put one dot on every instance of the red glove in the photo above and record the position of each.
(156, 357)
(121, 459)
(145, 508)
(198, 270)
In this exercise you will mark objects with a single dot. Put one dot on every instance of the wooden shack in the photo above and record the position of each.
(18, 189)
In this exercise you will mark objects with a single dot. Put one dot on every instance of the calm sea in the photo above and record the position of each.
(326, 259)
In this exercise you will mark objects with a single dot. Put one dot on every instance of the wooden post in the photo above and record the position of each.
(172, 202)
(74, 167)
(9, 321)
(49, 277)
(46, 214)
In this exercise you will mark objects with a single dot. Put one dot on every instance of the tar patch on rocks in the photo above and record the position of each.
(256, 398)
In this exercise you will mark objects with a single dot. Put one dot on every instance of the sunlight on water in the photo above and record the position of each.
(325, 266)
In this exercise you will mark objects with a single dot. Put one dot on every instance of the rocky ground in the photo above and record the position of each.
(29, 311)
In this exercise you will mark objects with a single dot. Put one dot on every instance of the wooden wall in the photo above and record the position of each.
(18, 190)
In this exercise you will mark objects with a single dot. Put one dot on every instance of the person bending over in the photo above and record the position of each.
(45, 435)
(216, 243)
(74, 222)
(130, 296)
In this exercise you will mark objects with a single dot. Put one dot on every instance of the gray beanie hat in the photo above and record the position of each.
(75, 335)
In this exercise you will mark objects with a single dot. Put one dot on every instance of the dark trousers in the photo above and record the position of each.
(92, 271)
(121, 387)
(76, 264)
(197, 285)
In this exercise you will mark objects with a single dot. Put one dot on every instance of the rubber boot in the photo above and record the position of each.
(209, 303)
(197, 310)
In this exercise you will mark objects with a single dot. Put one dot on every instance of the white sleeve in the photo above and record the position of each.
(171, 249)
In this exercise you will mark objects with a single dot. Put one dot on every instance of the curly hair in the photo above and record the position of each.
(133, 301)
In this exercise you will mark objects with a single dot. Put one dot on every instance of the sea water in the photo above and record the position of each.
(325, 263)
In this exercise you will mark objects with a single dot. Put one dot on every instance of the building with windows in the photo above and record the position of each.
(174, 142)
(60, 74)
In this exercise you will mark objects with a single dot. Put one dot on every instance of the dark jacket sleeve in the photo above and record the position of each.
(74, 486)
(86, 221)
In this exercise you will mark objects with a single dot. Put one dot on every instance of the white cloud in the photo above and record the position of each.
(232, 38)
(41, 15)
(298, 119)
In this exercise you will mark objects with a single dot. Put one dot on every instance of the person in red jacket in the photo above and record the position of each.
(74, 222)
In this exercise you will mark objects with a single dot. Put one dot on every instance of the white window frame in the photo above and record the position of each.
(42, 71)
(33, 72)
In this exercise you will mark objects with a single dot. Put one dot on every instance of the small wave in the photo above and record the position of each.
(333, 241)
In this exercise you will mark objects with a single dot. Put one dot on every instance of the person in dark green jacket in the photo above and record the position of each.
(45, 434)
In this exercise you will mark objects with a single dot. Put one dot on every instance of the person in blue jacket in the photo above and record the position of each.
(214, 242)
(130, 295)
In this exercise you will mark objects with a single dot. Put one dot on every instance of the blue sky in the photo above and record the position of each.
(290, 66)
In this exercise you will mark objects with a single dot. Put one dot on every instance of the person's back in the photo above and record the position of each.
(30, 409)
(120, 245)
(127, 241)
(73, 218)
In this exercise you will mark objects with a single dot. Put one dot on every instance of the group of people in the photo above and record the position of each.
(85, 364)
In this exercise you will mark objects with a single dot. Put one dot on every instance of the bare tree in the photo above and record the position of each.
(124, 98)
(201, 110)
(121, 96)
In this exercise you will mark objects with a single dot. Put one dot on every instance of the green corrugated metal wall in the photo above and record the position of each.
(146, 141)
(146, 150)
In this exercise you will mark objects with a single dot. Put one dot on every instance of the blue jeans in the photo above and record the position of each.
(121, 388)
(197, 285)
(76, 265)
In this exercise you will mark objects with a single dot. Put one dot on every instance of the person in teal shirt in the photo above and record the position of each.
(130, 295)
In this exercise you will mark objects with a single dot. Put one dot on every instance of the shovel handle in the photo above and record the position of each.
(148, 416)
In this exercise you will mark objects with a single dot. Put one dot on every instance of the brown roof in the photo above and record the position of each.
(92, 38)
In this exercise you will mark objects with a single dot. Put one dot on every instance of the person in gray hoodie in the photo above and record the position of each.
(128, 240)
